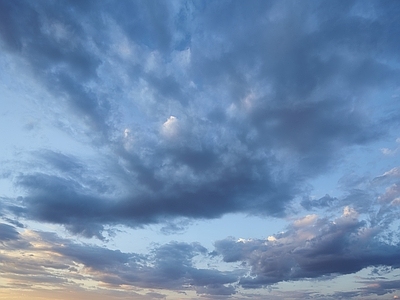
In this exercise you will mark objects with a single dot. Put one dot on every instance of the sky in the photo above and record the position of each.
(199, 149)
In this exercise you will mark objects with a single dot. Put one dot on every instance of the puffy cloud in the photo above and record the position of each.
(311, 248)
(391, 194)
(306, 221)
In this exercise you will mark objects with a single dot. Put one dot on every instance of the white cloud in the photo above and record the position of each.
(128, 139)
(388, 152)
(349, 212)
(242, 240)
(306, 221)
(395, 172)
(170, 128)
(127, 133)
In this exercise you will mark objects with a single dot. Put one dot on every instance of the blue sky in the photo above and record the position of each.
(199, 149)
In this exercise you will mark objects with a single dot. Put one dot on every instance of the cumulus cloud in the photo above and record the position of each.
(312, 247)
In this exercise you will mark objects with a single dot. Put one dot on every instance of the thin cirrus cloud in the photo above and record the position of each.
(197, 110)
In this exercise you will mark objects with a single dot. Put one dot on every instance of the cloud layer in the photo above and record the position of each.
(159, 112)
(198, 116)
(311, 248)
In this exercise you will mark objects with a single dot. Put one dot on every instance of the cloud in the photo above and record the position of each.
(83, 203)
(322, 202)
(380, 287)
(193, 117)
(153, 295)
(10, 238)
(51, 258)
(391, 195)
(8, 232)
(170, 127)
(183, 111)
(216, 290)
(311, 248)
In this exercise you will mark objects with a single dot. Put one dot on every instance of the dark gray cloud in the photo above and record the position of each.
(84, 205)
(10, 238)
(8, 232)
(311, 248)
(14, 222)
